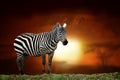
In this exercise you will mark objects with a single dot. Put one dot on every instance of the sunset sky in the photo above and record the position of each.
(93, 32)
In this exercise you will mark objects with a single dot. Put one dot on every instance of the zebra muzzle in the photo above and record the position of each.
(65, 42)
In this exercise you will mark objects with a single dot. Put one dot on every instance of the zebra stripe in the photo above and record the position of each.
(39, 44)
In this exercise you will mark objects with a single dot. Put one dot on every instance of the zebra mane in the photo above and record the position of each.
(55, 27)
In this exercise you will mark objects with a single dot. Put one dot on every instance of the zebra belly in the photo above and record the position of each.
(41, 51)
(35, 53)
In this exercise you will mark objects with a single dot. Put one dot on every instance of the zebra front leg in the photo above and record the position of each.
(50, 56)
(20, 63)
(43, 63)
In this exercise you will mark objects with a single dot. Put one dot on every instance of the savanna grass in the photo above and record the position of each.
(103, 76)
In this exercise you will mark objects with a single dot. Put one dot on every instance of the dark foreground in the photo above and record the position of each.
(102, 76)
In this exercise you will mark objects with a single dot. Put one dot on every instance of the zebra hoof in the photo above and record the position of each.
(21, 72)
(49, 72)
(43, 71)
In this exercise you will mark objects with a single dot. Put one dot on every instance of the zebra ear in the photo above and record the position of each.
(57, 24)
(64, 25)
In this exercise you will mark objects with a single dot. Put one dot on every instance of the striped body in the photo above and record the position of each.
(34, 44)
(39, 45)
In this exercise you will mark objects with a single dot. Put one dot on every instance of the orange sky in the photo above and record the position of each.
(97, 31)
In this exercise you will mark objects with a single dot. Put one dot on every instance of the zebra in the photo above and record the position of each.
(30, 44)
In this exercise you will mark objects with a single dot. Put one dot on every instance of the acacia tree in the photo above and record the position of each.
(104, 53)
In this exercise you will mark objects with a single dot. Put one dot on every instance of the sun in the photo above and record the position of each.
(71, 53)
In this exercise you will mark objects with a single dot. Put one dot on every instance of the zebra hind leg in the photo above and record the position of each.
(20, 63)
(43, 63)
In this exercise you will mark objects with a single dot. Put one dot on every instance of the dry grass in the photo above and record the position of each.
(103, 76)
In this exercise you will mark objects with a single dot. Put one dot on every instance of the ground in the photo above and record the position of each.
(102, 76)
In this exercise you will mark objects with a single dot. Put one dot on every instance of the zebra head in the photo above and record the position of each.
(61, 33)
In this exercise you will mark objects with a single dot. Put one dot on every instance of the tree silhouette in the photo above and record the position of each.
(104, 52)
